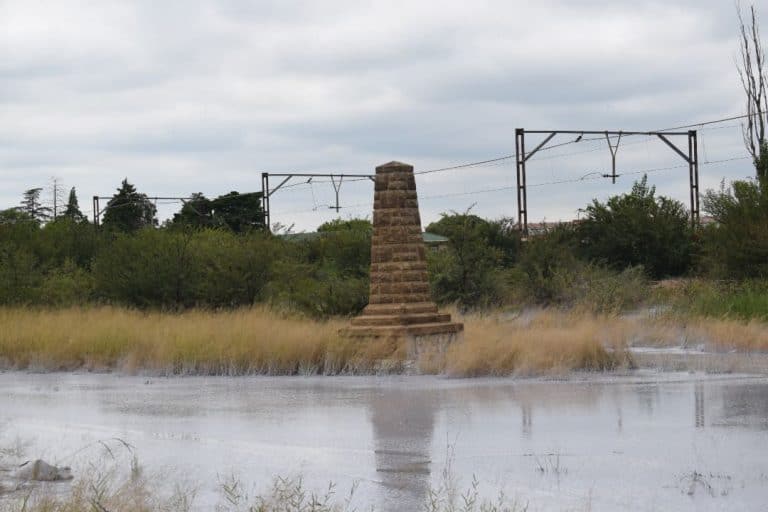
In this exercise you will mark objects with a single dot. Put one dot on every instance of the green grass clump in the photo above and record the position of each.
(745, 300)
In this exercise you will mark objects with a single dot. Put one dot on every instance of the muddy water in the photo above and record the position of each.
(640, 442)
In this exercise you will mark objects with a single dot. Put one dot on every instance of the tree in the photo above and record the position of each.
(362, 225)
(736, 244)
(639, 229)
(196, 212)
(238, 212)
(128, 210)
(343, 247)
(752, 73)
(151, 268)
(236, 269)
(72, 210)
(32, 207)
(466, 273)
(19, 264)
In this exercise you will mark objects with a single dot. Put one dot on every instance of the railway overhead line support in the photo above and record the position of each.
(691, 156)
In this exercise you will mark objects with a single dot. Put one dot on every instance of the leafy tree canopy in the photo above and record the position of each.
(196, 212)
(15, 216)
(462, 228)
(345, 225)
(467, 272)
(737, 243)
(237, 212)
(639, 228)
(128, 210)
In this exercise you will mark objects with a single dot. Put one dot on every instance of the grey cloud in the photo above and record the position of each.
(203, 96)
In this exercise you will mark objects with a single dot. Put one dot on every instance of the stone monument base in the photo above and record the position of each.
(403, 321)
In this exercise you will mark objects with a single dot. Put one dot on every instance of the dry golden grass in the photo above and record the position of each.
(715, 334)
(260, 341)
(535, 343)
(195, 342)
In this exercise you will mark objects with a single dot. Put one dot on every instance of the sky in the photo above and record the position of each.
(184, 96)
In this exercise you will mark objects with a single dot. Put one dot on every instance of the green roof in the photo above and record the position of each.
(432, 238)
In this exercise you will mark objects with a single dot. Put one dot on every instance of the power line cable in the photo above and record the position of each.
(587, 177)
(716, 121)
(554, 146)
(579, 139)
(464, 166)
(590, 176)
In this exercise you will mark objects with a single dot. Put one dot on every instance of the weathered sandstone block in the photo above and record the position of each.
(400, 305)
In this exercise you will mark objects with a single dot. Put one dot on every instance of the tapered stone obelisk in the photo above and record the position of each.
(399, 305)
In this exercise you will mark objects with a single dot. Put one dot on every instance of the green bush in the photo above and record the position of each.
(65, 239)
(549, 274)
(151, 268)
(68, 285)
(736, 244)
(639, 229)
(19, 275)
(732, 299)
(234, 270)
(20, 269)
(343, 246)
(467, 271)
(545, 257)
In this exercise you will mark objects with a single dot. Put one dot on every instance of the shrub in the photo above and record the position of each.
(746, 300)
(736, 244)
(234, 270)
(468, 272)
(549, 273)
(149, 269)
(639, 229)
(67, 285)
(535, 278)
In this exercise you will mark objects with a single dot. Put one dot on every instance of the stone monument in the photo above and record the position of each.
(399, 306)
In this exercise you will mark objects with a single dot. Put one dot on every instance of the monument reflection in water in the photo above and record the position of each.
(403, 423)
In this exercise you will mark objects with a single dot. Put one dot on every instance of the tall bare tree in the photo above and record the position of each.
(752, 72)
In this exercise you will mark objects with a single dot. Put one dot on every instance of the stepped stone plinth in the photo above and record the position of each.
(399, 305)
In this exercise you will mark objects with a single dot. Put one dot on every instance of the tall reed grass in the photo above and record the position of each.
(261, 341)
(535, 342)
(713, 334)
(194, 342)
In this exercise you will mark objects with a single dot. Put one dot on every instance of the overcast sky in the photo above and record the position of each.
(185, 96)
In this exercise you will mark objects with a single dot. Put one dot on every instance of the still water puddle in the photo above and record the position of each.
(646, 441)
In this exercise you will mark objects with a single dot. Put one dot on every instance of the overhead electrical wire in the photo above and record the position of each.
(480, 163)
(596, 175)
(580, 139)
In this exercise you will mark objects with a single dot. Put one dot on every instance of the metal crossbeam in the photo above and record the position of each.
(522, 157)
(267, 192)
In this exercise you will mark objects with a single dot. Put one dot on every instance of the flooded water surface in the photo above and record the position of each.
(641, 442)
